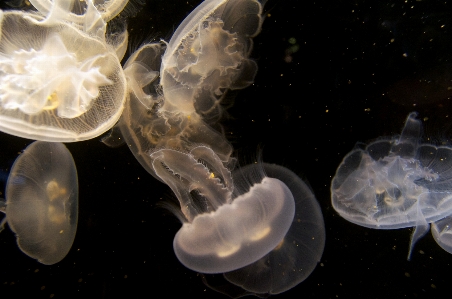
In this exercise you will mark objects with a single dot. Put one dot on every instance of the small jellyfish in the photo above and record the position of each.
(58, 82)
(395, 183)
(246, 224)
(442, 233)
(42, 201)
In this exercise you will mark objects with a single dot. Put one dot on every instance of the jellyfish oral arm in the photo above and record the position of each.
(49, 79)
(139, 76)
(58, 9)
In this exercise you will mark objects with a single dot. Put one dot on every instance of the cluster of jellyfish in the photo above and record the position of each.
(61, 80)
(396, 183)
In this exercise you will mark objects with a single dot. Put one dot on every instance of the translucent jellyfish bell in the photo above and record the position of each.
(297, 254)
(42, 201)
(442, 233)
(57, 82)
(208, 54)
(221, 235)
(395, 183)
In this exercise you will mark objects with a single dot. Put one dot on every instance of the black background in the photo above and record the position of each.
(331, 73)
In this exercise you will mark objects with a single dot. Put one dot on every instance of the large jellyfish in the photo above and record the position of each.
(395, 183)
(42, 201)
(58, 81)
(259, 222)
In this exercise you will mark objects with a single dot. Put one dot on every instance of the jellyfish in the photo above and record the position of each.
(442, 233)
(395, 183)
(208, 55)
(297, 254)
(257, 227)
(42, 201)
(58, 82)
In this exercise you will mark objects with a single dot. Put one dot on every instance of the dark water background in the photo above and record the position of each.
(331, 73)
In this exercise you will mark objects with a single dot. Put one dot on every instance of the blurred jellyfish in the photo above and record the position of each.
(442, 233)
(58, 82)
(42, 201)
(395, 183)
(254, 223)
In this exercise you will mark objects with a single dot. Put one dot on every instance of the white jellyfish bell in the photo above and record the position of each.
(240, 227)
(58, 82)
(41, 204)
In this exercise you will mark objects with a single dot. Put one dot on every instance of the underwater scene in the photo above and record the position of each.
(225, 148)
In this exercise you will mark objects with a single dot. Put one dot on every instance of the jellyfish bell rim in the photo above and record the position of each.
(212, 262)
(41, 133)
